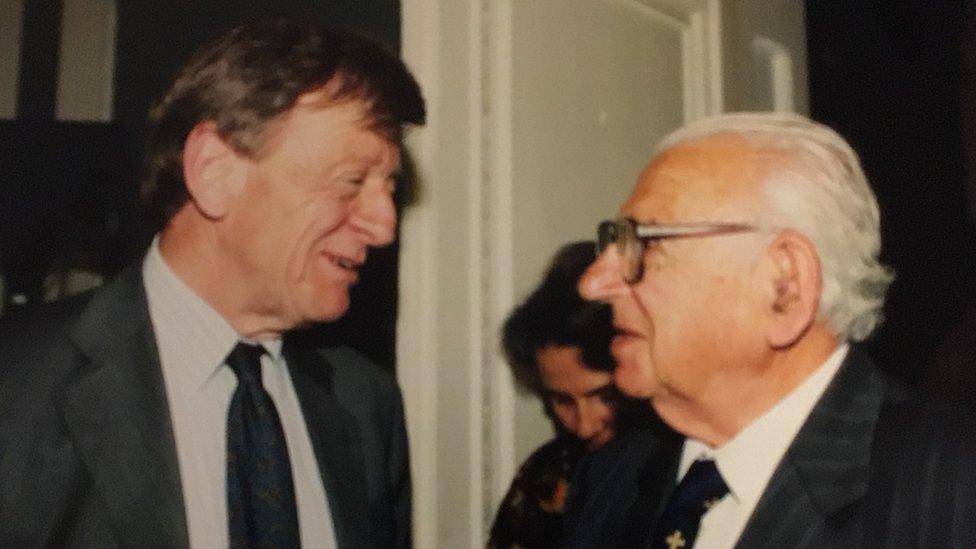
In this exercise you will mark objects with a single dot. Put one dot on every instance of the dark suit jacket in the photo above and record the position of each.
(87, 455)
(872, 466)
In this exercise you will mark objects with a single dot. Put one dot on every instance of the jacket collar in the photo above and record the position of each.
(117, 416)
(335, 440)
(826, 468)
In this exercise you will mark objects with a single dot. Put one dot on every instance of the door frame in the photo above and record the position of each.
(456, 249)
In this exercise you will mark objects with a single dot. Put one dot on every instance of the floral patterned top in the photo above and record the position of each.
(531, 514)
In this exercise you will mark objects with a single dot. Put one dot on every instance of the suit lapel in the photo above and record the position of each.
(336, 442)
(621, 488)
(826, 467)
(655, 485)
(117, 415)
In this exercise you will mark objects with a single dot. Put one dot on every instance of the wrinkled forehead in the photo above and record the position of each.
(715, 178)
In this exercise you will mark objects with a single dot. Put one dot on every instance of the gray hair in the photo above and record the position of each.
(818, 189)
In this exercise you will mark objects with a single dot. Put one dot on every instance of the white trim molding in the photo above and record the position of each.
(417, 328)
(441, 339)
(780, 65)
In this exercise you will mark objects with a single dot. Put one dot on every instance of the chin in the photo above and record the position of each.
(600, 443)
(632, 382)
(324, 310)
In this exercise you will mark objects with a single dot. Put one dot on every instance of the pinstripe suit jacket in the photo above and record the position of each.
(87, 455)
(873, 466)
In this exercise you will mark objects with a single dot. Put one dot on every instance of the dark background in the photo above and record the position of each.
(895, 77)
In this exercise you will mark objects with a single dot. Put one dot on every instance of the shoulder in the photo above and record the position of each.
(616, 485)
(530, 515)
(40, 341)
(40, 346)
(363, 388)
(901, 424)
(911, 423)
(624, 459)
(550, 466)
(561, 451)
(354, 373)
(36, 352)
(923, 471)
(350, 362)
(37, 362)
(39, 326)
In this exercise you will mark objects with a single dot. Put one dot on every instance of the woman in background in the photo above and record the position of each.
(558, 346)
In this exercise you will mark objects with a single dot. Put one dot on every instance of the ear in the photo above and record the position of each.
(793, 285)
(212, 169)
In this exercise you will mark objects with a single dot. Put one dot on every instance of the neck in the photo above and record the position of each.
(734, 399)
(193, 252)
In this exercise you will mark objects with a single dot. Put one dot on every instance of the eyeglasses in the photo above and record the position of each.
(632, 239)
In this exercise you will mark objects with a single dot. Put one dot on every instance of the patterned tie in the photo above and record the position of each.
(260, 495)
(701, 487)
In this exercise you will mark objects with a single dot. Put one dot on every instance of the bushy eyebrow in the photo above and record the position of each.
(594, 392)
(601, 389)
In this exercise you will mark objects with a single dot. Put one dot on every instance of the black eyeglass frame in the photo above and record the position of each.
(632, 237)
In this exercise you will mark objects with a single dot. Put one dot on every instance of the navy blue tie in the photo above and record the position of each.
(700, 488)
(261, 508)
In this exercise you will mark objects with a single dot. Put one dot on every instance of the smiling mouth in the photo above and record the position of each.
(624, 332)
(344, 263)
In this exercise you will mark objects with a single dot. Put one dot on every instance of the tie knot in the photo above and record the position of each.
(245, 360)
(700, 487)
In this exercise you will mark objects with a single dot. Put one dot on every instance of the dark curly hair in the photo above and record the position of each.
(254, 73)
(555, 314)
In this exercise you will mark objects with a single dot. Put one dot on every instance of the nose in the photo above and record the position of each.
(375, 217)
(603, 280)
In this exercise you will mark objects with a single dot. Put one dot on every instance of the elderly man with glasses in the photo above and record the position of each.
(742, 271)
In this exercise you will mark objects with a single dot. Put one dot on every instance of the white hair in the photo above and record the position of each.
(819, 189)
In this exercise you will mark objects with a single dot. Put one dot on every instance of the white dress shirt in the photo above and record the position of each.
(193, 341)
(748, 460)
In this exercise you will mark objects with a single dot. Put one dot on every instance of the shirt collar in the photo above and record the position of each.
(748, 460)
(271, 346)
(180, 314)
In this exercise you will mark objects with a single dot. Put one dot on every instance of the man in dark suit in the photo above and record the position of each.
(743, 266)
(169, 409)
